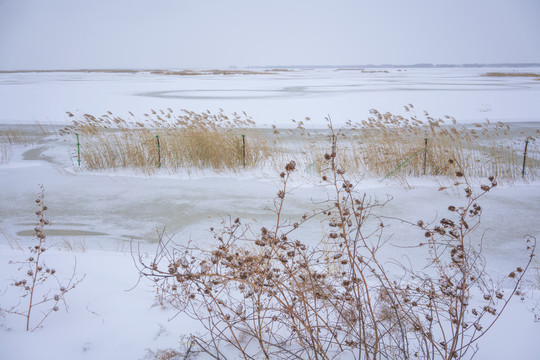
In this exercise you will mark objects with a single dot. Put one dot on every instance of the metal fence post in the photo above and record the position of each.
(425, 154)
(159, 151)
(78, 150)
(524, 158)
(244, 149)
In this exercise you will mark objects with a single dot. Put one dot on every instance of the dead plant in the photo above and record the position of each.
(267, 294)
(36, 290)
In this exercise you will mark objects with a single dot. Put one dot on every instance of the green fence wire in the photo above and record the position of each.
(403, 163)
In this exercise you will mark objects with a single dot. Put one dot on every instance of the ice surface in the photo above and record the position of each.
(99, 213)
(274, 99)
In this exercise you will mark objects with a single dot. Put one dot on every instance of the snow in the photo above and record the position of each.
(95, 216)
(105, 320)
(274, 99)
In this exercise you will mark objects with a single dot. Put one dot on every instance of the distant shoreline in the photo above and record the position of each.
(261, 70)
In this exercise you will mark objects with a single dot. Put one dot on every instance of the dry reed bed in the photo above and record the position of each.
(11, 136)
(16, 136)
(168, 141)
(384, 145)
(383, 142)
(512, 74)
(184, 72)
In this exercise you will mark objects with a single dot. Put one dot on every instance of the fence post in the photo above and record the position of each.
(159, 151)
(244, 149)
(524, 158)
(425, 154)
(78, 150)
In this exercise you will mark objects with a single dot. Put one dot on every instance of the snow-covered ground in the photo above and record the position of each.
(95, 216)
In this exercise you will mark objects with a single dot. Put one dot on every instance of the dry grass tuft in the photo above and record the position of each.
(6, 153)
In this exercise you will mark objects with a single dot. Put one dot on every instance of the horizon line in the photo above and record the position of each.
(280, 67)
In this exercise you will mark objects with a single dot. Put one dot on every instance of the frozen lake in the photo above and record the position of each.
(95, 215)
(275, 98)
(136, 206)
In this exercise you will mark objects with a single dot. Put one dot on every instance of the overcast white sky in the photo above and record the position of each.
(74, 34)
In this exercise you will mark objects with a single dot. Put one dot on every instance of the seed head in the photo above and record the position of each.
(290, 166)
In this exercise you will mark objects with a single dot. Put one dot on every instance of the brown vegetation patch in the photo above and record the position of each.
(506, 74)
(157, 72)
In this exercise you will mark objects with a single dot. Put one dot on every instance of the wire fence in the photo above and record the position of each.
(172, 150)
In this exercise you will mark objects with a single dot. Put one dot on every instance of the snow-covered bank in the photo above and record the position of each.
(109, 318)
(105, 319)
